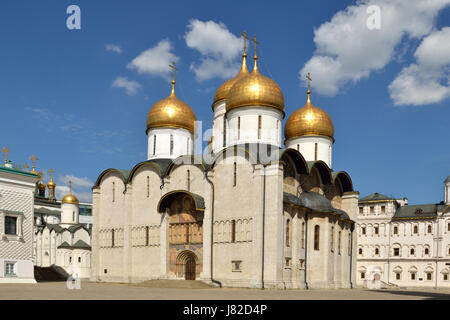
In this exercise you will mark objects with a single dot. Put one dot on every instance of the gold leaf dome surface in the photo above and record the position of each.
(51, 184)
(171, 112)
(255, 90)
(223, 90)
(309, 120)
(70, 198)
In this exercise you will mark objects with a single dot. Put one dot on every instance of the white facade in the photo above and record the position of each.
(313, 148)
(405, 245)
(219, 126)
(169, 143)
(255, 124)
(16, 226)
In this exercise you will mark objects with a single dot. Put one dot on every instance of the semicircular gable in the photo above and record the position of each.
(324, 170)
(140, 165)
(123, 174)
(300, 163)
(196, 161)
(344, 179)
(236, 151)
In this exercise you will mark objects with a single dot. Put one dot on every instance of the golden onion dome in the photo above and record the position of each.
(41, 185)
(171, 112)
(309, 120)
(70, 198)
(51, 184)
(223, 90)
(255, 90)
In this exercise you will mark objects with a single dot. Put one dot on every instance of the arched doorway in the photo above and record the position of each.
(189, 271)
(187, 265)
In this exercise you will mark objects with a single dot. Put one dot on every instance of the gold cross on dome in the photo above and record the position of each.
(244, 35)
(70, 187)
(51, 171)
(308, 76)
(5, 150)
(34, 159)
(255, 42)
(173, 70)
(25, 167)
(42, 174)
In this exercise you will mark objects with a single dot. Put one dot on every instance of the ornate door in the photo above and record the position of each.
(190, 269)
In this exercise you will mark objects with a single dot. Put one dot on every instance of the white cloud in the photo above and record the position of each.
(113, 48)
(347, 51)
(156, 60)
(428, 80)
(131, 87)
(81, 187)
(217, 45)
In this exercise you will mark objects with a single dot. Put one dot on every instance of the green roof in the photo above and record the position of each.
(420, 211)
(17, 171)
(80, 244)
(376, 197)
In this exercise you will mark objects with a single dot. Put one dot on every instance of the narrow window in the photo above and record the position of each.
(383, 209)
(187, 145)
(363, 275)
(112, 238)
(113, 191)
(429, 229)
(329, 155)
(413, 276)
(372, 209)
(79, 259)
(73, 215)
(278, 135)
(239, 128)
(376, 230)
(339, 242)
(171, 144)
(332, 239)
(154, 144)
(395, 230)
(298, 148)
(303, 235)
(11, 225)
(427, 251)
(288, 232)
(188, 180)
(411, 251)
(396, 252)
(360, 251)
(316, 238)
(148, 186)
(315, 151)
(233, 231)
(259, 127)
(429, 276)
(235, 175)
(445, 277)
(416, 230)
(377, 251)
(187, 233)
(70, 259)
(147, 235)
(398, 276)
(448, 227)
(349, 244)
(224, 132)
(363, 230)
(361, 210)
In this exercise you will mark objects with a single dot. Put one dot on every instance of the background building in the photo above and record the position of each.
(404, 245)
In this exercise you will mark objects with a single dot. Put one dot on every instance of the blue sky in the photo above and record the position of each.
(390, 111)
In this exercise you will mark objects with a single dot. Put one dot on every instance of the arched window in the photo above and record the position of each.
(79, 259)
(316, 147)
(188, 180)
(317, 238)
(430, 229)
(416, 229)
(377, 251)
(259, 126)
(154, 144)
(147, 235)
(171, 144)
(332, 239)
(239, 128)
(233, 231)
(339, 242)
(360, 251)
(395, 230)
(234, 174)
(412, 251)
(112, 238)
(224, 132)
(288, 232)
(148, 186)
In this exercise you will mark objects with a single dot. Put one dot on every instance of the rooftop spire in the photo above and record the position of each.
(308, 76)
(255, 57)
(5, 150)
(244, 54)
(34, 159)
(173, 76)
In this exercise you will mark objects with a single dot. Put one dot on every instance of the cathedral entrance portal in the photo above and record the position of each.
(190, 269)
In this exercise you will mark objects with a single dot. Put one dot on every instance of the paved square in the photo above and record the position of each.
(108, 291)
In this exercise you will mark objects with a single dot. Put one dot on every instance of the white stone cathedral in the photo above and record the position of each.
(248, 214)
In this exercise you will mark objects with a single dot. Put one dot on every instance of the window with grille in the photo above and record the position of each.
(10, 269)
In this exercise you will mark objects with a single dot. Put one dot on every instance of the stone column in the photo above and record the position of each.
(164, 244)
(207, 236)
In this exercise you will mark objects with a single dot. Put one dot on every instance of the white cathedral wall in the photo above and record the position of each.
(306, 146)
(69, 214)
(183, 143)
(247, 131)
(218, 125)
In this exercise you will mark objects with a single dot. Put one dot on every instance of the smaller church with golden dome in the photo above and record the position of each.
(255, 211)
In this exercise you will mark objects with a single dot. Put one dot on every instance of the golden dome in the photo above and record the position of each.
(51, 184)
(41, 185)
(70, 198)
(255, 90)
(309, 120)
(223, 90)
(171, 112)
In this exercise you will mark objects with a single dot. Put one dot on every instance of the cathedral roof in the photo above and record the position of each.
(376, 197)
(80, 244)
